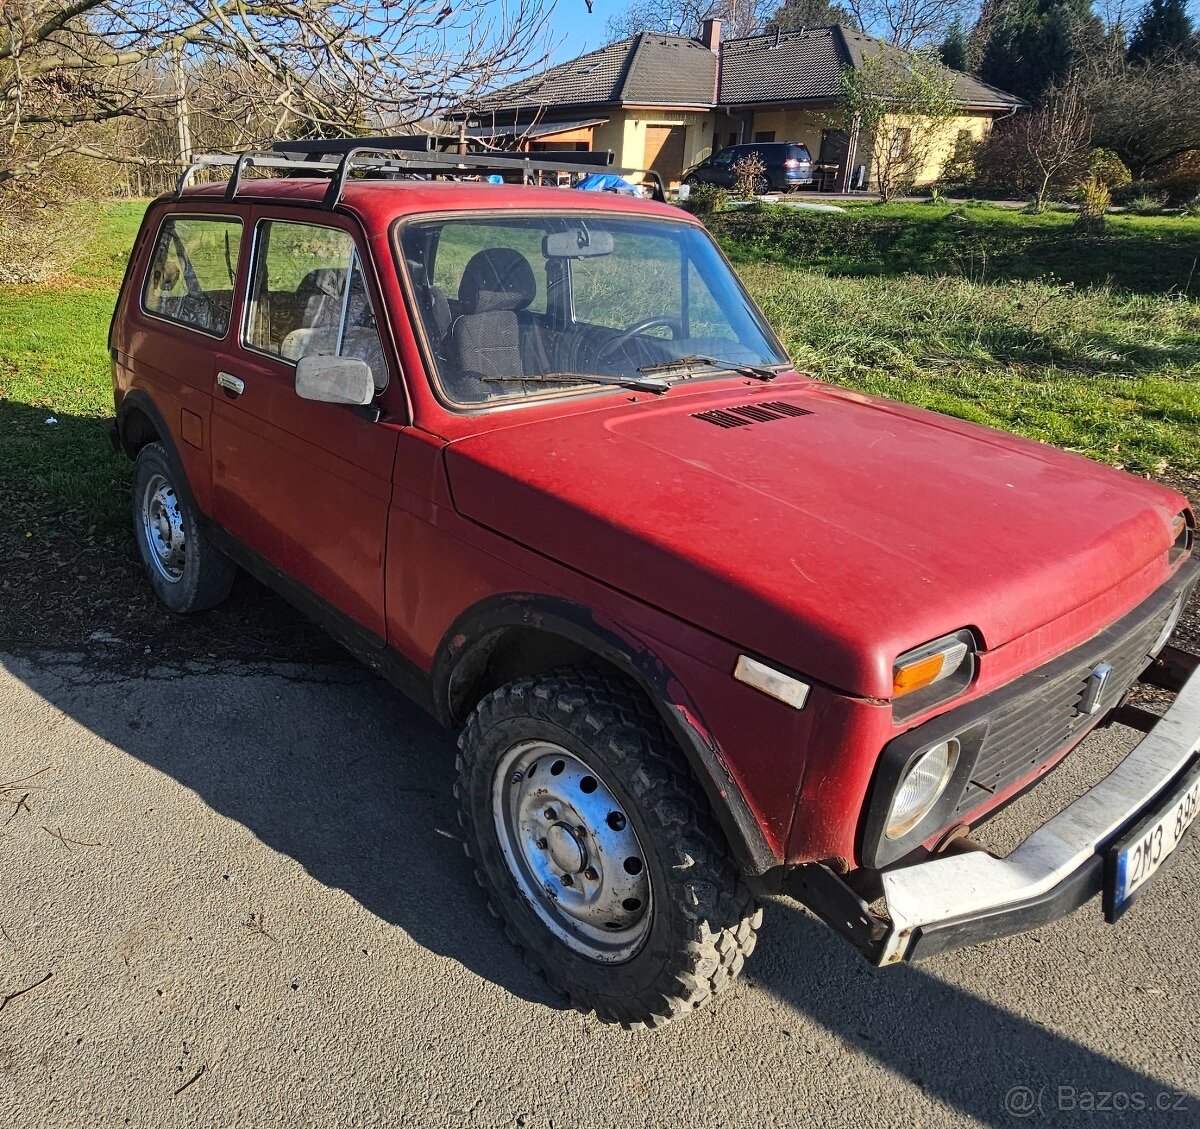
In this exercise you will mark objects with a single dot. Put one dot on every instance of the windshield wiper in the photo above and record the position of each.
(582, 378)
(695, 360)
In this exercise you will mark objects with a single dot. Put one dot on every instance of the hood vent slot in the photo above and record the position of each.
(751, 413)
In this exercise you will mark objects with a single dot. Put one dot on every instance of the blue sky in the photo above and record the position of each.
(580, 31)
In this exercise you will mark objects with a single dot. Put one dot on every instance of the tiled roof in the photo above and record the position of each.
(667, 70)
(969, 91)
(792, 65)
(645, 68)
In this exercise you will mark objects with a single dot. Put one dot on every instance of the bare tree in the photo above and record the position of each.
(1049, 146)
(1145, 112)
(324, 66)
(910, 23)
(684, 17)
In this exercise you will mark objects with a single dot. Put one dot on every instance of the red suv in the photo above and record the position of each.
(710, 628)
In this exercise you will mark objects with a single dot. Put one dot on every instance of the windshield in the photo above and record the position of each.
(510, 303)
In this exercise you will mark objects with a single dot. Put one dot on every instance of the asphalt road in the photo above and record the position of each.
(250, 880)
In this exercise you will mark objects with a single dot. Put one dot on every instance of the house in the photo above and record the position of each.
(666, 102)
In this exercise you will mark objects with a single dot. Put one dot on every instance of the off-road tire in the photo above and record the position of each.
(704, 915)
(207, 574)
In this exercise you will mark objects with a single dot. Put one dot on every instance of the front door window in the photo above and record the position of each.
(308, 297)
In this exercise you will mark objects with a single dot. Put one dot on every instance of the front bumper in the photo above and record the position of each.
(960, 899)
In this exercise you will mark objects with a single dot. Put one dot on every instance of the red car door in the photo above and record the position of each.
(304, 484)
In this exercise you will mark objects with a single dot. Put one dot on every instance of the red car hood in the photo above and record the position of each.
(830, 542)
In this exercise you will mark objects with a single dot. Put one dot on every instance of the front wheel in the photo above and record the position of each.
(187, 572)
(597, 848)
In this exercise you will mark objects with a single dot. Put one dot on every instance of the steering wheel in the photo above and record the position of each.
(614, 343)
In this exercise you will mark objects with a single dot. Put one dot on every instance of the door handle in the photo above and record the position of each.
(231, 383)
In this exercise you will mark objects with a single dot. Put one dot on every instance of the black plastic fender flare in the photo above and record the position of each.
(479, 627)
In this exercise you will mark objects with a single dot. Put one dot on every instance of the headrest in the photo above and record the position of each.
(323, 280)
(497, 279)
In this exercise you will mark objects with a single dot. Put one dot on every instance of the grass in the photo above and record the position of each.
(54, 365)
(1108, 374)
(1144, 254)
(1109, 370)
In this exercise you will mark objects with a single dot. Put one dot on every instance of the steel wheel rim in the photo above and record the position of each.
(162, 526)
(557, 819)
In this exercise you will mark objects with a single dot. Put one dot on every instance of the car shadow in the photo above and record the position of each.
(336, 770)
(985, 1061)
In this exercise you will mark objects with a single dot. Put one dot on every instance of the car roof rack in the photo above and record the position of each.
(397, 157)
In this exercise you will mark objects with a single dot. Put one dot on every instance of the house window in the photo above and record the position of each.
(733, 137)
(900, 144)
(765, 135)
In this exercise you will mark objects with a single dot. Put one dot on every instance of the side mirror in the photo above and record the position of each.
(334, 380)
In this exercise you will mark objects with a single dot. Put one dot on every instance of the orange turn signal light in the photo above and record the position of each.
(931, 663)
(915, 676)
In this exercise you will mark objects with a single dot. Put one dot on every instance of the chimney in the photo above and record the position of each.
(710, 35)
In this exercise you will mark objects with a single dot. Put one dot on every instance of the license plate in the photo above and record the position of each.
(1141, 853)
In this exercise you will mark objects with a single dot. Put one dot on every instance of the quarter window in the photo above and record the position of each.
(192, 270)
(308, 297)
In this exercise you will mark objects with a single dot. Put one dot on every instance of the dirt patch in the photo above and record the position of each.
(84, 591)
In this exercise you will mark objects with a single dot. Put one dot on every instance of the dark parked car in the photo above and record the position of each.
(788, 165)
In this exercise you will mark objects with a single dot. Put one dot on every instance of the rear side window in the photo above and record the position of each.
(308, 297)
(190, 279)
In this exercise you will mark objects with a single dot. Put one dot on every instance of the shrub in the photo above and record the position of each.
(1178, 188)
(34, 241)
(707, 199)
(1146, 205)
(748, 176)
(960, 167)
(1109, 168)
(1094, 201)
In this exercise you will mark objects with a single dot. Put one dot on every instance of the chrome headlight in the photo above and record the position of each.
(921, 787)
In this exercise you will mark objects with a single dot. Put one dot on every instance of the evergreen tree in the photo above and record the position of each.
(956, 49)
(1164, 27)
(792, 15)
(1035, 44)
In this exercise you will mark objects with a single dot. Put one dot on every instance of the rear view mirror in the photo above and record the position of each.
(578, 243)
(334, 380)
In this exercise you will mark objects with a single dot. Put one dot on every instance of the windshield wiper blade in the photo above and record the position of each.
(582, 378)
(695, 360)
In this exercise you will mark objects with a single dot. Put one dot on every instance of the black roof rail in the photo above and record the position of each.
(317, 147)
(363, 155)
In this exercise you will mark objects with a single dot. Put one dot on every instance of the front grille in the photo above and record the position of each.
(1027, 729)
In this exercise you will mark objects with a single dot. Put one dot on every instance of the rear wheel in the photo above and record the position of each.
(761, 186)
(597, 848)
(187, 572)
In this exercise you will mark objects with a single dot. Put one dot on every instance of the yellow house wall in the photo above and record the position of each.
(625, 134)
(804, 126)
(941, 146)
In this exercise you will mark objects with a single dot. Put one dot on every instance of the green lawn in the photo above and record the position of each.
(873, 300)
(54, 365)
